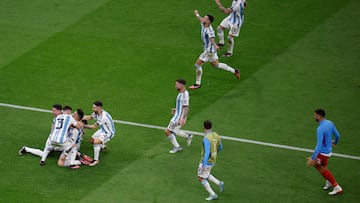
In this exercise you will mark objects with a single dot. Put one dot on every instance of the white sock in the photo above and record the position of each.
(72, 155)
(207, 187)
(76, 162)
(36, 152)
(181, 133)
(173, 140)
(214, 180)
(198, 74)
(96, 151)
(231, 44)
(226, 67)
(45, 154)
(220, 33)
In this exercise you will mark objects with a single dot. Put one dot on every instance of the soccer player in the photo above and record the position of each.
(232, 22)
(106, 132)
(59, 134)
(56, 110)
(179, 117)
(210, 50)
(323, 150)
(211, 146)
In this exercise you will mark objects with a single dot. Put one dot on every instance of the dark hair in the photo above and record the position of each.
(57, 106)
(207, 124)
(98, 103)
(320, 112)
(211, 18)
(84, 122)
(67, 108)
(182, 81)
(80, 113)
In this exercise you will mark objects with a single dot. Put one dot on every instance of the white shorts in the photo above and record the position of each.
(102, 136)
(234, 30)
(61, 147)
(50, 147)
(204, 173)
(208, 57)
(173, 126)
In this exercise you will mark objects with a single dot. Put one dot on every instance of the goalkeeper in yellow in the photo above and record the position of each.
(211, 146)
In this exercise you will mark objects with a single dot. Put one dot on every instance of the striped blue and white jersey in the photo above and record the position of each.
(59, 133)
(182, 100)
(236, 17)
(76, 135)
(106, 123)
(206, 34)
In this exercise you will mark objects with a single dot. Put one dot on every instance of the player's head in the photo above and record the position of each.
(67, 110)
(97, 107)
(207, 125)
(56, 109)
(180, 84)
(208, 19)
(319, 114)
(78, 114)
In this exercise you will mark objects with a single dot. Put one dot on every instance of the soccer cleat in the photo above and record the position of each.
(237, 73)
(327, 185)
(175, 149)
(212, 197)
(220, 45)
(74, 166)
(337, 189)
(22, 151)
(94, 163)
(227, 55)
(222, 186)
(189, 140)
(195, 86)
(84, 161)
(42, 163)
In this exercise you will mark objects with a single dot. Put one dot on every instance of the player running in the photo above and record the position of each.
(232, 22)
(210, 50)
(106, 131)
(56, 110)
(211, 146)
(179, 117)
(323, 150)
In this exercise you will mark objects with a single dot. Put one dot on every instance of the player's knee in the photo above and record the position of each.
(91, 140)
(220, 29)
(97, 141)
(198, 67)
(167, 132)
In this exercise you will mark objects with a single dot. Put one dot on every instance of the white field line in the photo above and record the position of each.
(195, 133)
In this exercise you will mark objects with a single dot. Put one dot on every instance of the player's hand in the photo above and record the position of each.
(333, 144)
(216, 47)
(196, 12)
(182, 121)
(173, 111)
(310, 162)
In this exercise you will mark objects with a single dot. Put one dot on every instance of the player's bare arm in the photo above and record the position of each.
(222, 8)
(197, 15)
(184, 116)
(93, 126)
(87, 118)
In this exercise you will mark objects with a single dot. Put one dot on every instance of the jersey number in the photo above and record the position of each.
(60, 123)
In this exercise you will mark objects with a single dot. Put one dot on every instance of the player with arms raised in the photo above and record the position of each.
(211, 146)
(323, 150)
(179, 117)
(210, 50)
(232, 22)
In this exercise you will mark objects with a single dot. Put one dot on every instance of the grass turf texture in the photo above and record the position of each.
(294, 57)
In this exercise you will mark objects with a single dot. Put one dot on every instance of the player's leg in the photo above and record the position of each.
(203, 175)
(36, 152)
(219, 183)
(321, 166)
(183, 134)
(169, 132)
(198, 65)
(47, 149)
(234, 32)
(215, 63)
(220, 31)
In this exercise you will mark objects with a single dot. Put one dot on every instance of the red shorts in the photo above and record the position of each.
(322, 160)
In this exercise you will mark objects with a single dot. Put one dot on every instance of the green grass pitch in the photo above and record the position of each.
(294, 56)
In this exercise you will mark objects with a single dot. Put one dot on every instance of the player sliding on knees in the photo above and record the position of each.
(232, 22)
(210, 50)
(103, 135)
(179, 117)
